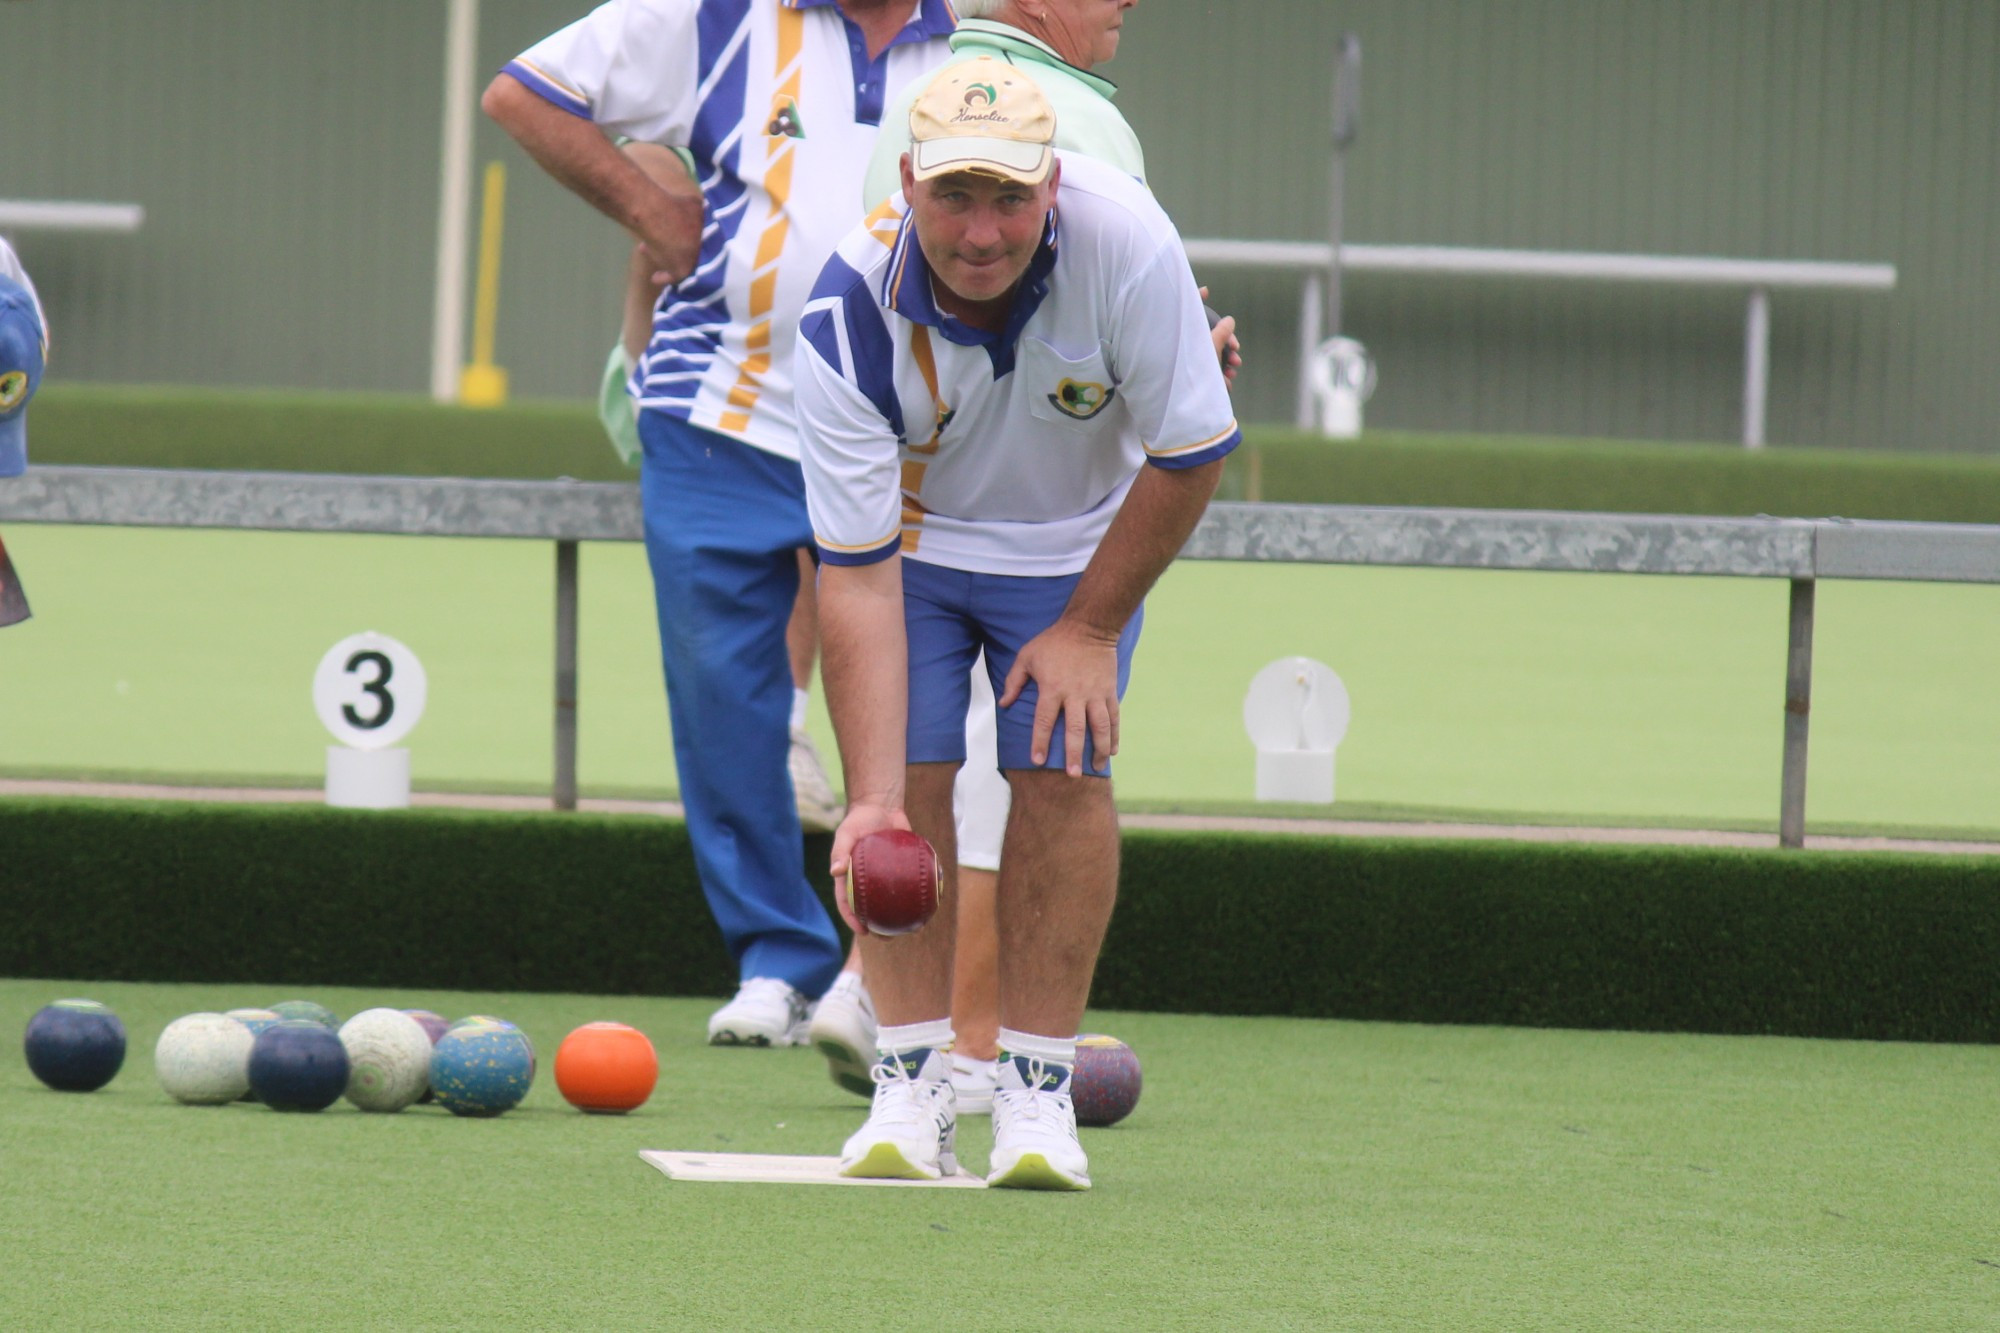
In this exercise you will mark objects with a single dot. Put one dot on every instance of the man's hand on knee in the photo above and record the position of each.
(1075, 670)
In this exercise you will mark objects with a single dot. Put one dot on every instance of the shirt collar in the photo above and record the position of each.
(1012, 41)
(933, 18)
(906, 287)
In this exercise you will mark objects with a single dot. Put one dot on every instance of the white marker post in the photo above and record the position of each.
(369, 692)
(1343, 378)
(1296, 713)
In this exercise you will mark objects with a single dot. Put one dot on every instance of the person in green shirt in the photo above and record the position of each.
(1059, 42)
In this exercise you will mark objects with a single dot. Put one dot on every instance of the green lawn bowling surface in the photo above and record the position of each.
(1594, 698)
(1277, 1174)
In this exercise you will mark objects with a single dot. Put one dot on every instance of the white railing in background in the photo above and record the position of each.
(1755, 277)
(56, 215)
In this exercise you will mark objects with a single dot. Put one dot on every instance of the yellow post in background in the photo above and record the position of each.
(483, 384)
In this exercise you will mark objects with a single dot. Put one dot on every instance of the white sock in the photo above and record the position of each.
(934, 1035)
(1049, 1050)
(799, 698)
(899, 1043)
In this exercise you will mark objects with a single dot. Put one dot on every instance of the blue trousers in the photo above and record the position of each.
(724, 523)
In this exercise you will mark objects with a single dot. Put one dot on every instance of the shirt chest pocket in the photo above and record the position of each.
(1068, 391)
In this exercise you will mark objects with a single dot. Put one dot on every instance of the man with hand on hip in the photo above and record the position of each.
(777, 103)
(1012, 417)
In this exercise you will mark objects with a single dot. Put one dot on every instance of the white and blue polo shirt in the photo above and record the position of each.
(779, 103)
(1005, 453)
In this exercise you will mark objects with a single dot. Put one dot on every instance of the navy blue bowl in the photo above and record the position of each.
(75, 1045)
(298, 1065)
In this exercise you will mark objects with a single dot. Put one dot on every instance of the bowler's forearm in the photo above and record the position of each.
(580, 157)
(1158, 516)
(864, 661)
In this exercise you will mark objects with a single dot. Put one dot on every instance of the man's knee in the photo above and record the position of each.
(930, 784)
(1051, 793)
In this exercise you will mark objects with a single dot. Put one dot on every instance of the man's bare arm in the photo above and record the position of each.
(665, 216)
(864, 662)
(642, 289)
(1074, 663)
(1157, 518)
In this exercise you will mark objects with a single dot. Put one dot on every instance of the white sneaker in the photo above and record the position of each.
(973, 1082)
(765, 1012)
(819, 810)
(843, 1030)
(912, 1129)
(1034, 1130)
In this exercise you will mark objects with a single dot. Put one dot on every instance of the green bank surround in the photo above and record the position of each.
(1872, 946)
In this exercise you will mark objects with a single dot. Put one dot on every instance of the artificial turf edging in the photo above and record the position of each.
(1847, 945)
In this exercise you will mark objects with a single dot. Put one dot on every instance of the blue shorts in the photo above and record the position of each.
(950, 615)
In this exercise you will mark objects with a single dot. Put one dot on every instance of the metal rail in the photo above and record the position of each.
(57, 215)
(1755, 277)
(1801, 551)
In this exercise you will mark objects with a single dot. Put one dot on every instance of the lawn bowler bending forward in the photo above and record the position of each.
(1012, 417)
(777, 102)
(1059, 43)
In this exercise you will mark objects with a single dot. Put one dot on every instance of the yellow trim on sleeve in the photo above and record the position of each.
(1196, 448)
(549, 79)
(893, 534)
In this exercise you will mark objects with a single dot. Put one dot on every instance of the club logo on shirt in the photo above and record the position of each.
(1081, 399)
(13, 388)
(785, 122)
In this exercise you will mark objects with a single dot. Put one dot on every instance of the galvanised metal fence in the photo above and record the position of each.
(1801, 551)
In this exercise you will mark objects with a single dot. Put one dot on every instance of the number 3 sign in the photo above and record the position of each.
(369, 691)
